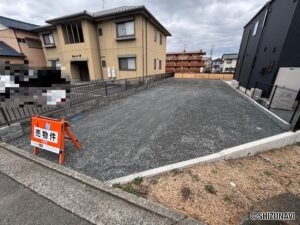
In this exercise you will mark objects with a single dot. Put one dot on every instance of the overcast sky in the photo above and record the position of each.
(194, 24)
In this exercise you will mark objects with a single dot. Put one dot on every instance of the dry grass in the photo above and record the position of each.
(228, 187)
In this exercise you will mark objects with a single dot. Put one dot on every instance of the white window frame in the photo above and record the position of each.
(255, 28)
(129, 29)
(50, 38)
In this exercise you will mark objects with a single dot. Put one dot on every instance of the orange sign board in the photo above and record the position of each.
(47, 134)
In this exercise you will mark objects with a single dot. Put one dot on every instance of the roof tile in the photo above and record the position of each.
(6, 50)
(11, 23)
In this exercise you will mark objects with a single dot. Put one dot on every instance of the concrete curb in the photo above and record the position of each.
(140, 202)
(282, 123)
(248, 149)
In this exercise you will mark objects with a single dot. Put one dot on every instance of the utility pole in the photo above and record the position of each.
(103, 4)
(182, 58)
(211, 60)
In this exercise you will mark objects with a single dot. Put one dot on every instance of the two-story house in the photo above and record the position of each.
(216, 65)
(116, 43)
(19, 43)
(229, 62)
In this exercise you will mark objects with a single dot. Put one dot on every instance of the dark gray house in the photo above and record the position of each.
(271, 41)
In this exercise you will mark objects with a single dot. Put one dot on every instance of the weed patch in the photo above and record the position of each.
(210, 188)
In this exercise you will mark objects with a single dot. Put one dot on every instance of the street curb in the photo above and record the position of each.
(240, 151)
(280, 122)
(140, 202)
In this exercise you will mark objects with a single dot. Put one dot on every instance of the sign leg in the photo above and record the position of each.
(36, 150)
(72, 137)
(61, 159)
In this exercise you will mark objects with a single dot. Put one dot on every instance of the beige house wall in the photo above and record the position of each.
(105, 47)
(112, 49)
(8, 36)
(143, 47)
(155, 50)
(35, 56)
(85, 51)
(12, 60)
(55, 52)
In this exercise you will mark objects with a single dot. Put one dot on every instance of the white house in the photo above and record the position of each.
(229, 62)
(216, 65)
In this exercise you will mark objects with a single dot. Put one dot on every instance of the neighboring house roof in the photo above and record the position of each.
(230, 56)
(16, 24)
(106, 14)
(217, 60)
(6, 50)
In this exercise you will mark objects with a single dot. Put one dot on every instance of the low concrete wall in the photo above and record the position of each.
(248, 149)
(205, 76)
(22, 127)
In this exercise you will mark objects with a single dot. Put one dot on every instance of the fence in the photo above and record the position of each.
(205, 76)
(282, 101)
(79, 94)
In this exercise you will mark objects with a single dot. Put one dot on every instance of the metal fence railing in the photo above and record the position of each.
(81, 93)
(282, 101)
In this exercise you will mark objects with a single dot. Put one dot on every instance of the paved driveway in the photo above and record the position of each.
(176, 120)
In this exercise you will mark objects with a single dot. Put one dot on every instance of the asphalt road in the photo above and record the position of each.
(19, 205)
(171, 122)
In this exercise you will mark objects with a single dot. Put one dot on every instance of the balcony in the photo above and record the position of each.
(182, 64)
(187, 64)
(197, 64)
(170, 64)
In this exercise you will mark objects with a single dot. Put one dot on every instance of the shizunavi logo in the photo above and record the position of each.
(272, 216)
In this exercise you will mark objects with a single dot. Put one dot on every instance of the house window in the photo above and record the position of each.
(160, 39)
(73, 33)
(125, 29)
(21, 40)
(100, 31)
(159, 65)
(255, 28)
(127, 63)
(229, 61)
(154, 61)
(103, 63)
(155, 35)
(48, 39)
(33, 43)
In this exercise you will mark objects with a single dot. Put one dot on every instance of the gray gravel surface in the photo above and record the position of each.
(171, 122)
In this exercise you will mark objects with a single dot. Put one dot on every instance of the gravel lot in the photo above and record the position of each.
(174, 121)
